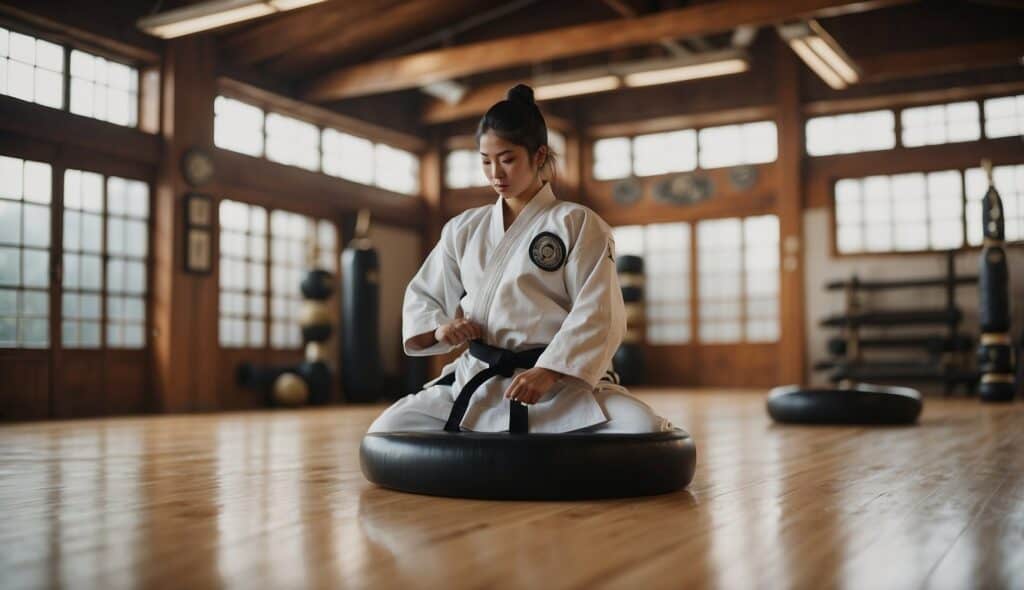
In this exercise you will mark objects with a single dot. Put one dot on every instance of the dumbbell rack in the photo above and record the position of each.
(949, 358)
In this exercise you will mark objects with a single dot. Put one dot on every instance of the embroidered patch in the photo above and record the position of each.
(547, 251)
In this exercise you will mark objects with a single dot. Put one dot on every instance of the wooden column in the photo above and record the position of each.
(432, 188)
(184, 339)
(789, 207)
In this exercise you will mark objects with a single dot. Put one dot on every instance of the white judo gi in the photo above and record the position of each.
(549, 280)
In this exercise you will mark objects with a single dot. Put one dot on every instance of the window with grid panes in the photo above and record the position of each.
(291, 238)
(731, 145)
(127, 254)
(720, 275)
(667, 284)
(396, 170)
(104, 89)
(31, 69)
(738, 263)
(899, 213)
(327, 241)
(661, 153)
(556, 141)
(1004, 116)
(613, 158)
(81, 302)
(293, 142)
(238, 126)
(1009, 182)
(348, 156)
(761, 278)
(463, 169)
(104, 218)
(665, 248)
(851, 133)
(243, 275)
(289, 245)
(25, 197)
(943, 123)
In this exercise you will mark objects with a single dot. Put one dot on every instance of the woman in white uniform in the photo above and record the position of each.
(530, 283)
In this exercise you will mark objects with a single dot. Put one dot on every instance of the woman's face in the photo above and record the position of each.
(508, 167)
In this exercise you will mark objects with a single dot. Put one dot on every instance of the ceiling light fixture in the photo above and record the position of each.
(646, 72)
(821, 53)
(213, 14)
(686, 72)
(550, 90)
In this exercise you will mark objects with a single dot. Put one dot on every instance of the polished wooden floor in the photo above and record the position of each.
(276, 500)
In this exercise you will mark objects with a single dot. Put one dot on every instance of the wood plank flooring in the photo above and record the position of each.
(276, 500)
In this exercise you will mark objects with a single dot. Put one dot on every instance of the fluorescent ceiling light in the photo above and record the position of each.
(821, 53)
(687, 72)
(814, 62)
(213, 14)
(575, 87)
(449, 91)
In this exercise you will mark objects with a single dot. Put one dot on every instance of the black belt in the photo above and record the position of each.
(499, 362)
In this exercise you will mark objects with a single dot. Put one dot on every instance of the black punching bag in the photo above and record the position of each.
(629, 358)
(360, 300)
(995, 352)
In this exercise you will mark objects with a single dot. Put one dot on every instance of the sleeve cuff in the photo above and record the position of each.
(576, 373)
(422, 327)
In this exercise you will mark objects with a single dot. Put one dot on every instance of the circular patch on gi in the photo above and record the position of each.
(547, 251)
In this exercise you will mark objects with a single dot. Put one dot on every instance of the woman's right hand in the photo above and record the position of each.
(458, 331)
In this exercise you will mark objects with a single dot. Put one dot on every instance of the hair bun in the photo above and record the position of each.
(520, 92)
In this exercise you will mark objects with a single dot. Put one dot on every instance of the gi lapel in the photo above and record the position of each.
(509, 242)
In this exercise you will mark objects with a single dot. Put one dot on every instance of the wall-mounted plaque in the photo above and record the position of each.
(627, 191)
(199, 220)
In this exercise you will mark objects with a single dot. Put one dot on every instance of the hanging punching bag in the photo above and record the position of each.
(360, 300)
(628, 361)
(995, 352)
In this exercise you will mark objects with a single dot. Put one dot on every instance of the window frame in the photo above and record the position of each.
(268, 108)
(142, 62)
(965, 247)
(270, 208)
(696, 129)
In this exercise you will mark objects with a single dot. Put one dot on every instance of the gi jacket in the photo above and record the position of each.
(549, 280)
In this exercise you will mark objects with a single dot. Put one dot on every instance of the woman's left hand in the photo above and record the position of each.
(528, 386)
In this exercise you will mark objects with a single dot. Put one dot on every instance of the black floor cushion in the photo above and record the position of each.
(860, 403)
(529, 466)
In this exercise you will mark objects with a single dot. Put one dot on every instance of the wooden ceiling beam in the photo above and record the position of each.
(444, 64)
(371, 35)
(287, 32)
(941, 60)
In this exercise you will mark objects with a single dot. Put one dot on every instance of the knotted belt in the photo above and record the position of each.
(499, 362)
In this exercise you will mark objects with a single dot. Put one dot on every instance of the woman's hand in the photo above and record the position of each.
(528, 386)
(457, 332)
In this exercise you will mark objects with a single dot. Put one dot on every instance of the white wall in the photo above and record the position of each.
(821, 267)
(399, 254)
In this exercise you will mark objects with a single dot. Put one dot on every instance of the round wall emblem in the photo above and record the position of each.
(547, 251)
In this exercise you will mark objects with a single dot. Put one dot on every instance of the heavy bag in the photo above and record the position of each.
(360, 301)
(994, 291)
(318, 377)
(629, 364)
(317, 285)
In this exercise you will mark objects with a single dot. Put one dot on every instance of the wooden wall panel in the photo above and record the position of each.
(24, 385)
(128, 384)
(727, 200)
(753, 365)
(79, 385)
(789, 208)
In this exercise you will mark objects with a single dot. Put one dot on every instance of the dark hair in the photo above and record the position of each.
(517, 119)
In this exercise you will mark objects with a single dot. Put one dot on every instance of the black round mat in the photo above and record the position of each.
(860, 404)
(529, 466)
